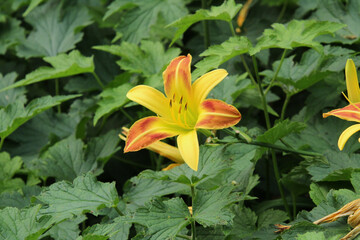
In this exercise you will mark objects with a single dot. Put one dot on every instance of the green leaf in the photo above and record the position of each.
(212, 207)
(339, 166)
(145, 15)
(297, 33)
(281, 130)
(148, 59)
(111, 100)
(13, 95)
(311, 236)
(68, 229)
(318, 193)
(22, 224)
(54, 32)
(11, 34)
(33, 4)
(164, 219)
(225, 12)
(244, 222)
(17, 199)
(15, 115)
(118, 230)
(65, 200)
(63, 65)
(216, 55)
(8, 168)
(355, 181)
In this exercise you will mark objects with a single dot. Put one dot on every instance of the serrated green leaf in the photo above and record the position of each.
(212, 207)
(244, 222)
(339, 166)
(164, 219)
(11, 34)
(8, 168)
(54, 32)
(311, 236)
(111, 100)
(17, 199)
(13, 95)
(226, 89)
(318, 193)
(22, 224)
(63, 65)
(118, 230)
(281, 130)
(68, 229)
(297, 33)
(65, 200)
(148, 59)
(15, 115)
(216, 55)
(145, 15)
(271, 216)
(225, 12)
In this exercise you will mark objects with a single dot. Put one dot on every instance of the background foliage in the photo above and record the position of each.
(66, 66)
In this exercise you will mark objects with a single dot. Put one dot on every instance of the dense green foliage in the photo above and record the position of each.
(65, 69)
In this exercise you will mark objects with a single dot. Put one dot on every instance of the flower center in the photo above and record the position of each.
(179, 111)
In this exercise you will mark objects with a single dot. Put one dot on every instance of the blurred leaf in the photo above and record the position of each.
(65, 200)
(11, 34)
(33, 4)
(8, 168)
(216, 55)
(17, 199)
(148, 59)
(118, 230)
(13, 95)
(63, 65)
(18, 224)
(164, 219)
(143, 14)
(225, 12)
(227, 88)
(111, 100)
(54, 32)
(15, 115)
(297, 33)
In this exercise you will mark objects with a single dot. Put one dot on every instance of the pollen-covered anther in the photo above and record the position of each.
(170, 103)
(180, 102)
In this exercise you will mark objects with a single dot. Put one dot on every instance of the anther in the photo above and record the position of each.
(185, 108)
(179, 110)
(170, 103)
(181, 100)
(174, 97)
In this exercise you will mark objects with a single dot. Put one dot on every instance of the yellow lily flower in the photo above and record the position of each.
(352, 111)
(181, 111)
(160, 148)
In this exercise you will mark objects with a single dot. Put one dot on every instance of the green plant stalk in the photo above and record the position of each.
(293, 203)
(205, 27)
(276, 73)
(183, 237)
(282, 12)
(232, 28)
(283, 110)
(98, 80)
(193, 228)
(118, 211)
(57, 93)
(2, 142)
(126, 114)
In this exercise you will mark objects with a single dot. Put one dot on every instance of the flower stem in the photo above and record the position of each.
(283, 110)
(98, 80)
(276, 73)
(283, 9)
(232, 28)
(57, 93)
(193, 229)
(118, 211)
(126, 114)
(2, 142)
(205, 27)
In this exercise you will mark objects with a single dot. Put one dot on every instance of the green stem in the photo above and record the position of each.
(240, 133)
(183, 237)
(143, 166)
(294, 204)
(276, 73)
(283, 110)
(193, 229)
(277, 176)
(118, 211)
(263, 100)
(205, 27)
(232, 28)
(98, 80)
(248, 70)
(2, 142)
(282, 12)
(57, 93)
(126, 114)
(255, 68)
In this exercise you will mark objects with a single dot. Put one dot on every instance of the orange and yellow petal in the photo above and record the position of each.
(150, 98)
(147, 131)
(216, 114)
(177, 77)
(203, 85)
(167, 151)
(350, 113)
(352, 84)
(188, 145)
(346, 134)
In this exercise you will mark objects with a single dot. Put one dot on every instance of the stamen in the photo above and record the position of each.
(170, 103)
(185, 108)
(180, 102)
(174, 97)
(179, 109)
(351, 103)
